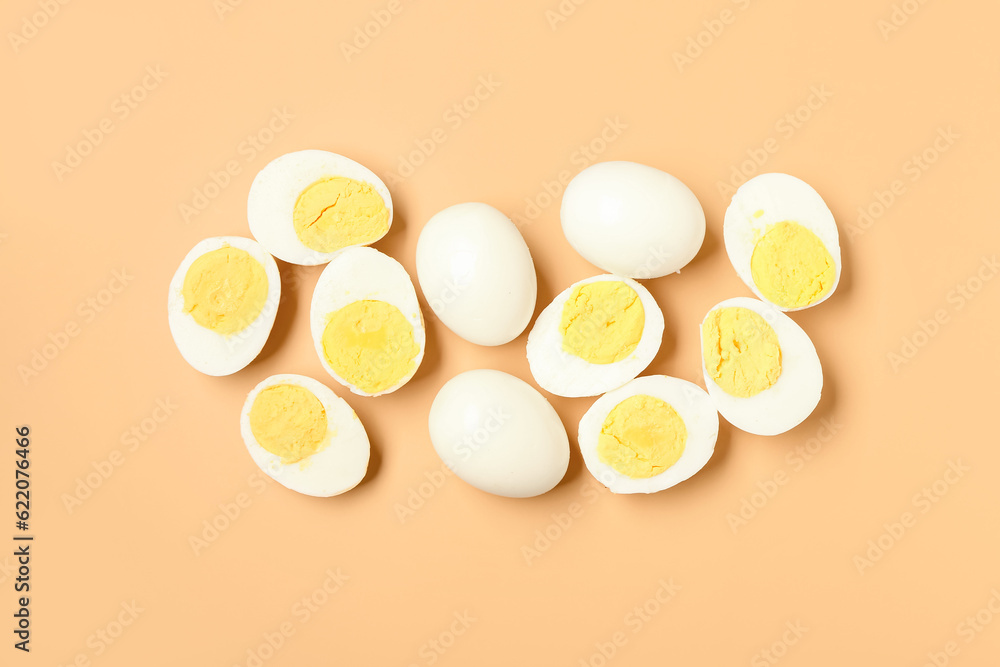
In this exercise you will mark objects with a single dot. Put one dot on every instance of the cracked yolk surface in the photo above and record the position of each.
(602, 322)
(338, 212)
(741, 351)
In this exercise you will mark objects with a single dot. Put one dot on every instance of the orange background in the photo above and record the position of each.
(555, 89)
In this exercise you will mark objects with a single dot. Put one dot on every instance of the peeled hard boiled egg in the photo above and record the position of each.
(476, 273)
(632, 220)
(222, 302)
(305, 206)
(595, 336)
(499, 434)
(761, 368)
(649, 435)
(366, 323)
(304, 436)
(783, 241)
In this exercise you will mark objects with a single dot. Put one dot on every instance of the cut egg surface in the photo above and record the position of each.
(651, 434)
(761, 369)
(366, 323)
(594, 337)
(222, 302)
(304, 436)
(305, 206)
(783, 241)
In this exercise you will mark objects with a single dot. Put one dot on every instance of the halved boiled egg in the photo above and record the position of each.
(783, 241)
(649, 435)
(222, 302)
(366, 322)
(305, 206)
(595, 336)
(761, 368)
(304, 436)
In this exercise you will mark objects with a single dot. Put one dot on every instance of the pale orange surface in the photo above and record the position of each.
(94, 249)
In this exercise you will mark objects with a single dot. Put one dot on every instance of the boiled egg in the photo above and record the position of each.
(222, 302)
(476, 273)
(497, 433)
(366, 322)
(595, 336)
(761, 368)
(304, 436)
(783, 241)
(632, 220)
(649, 435)
(305, 206)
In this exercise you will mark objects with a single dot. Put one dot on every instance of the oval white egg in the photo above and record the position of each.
(362, 274)
(632, 220)
(206, 350)
(336, 467)
(276, 191)
(497, 433)
(476, 273)
(690, 402)
(757, 207)
(565, 374)
(795, 394)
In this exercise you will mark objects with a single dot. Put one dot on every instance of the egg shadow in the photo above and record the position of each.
(432, 349)
(288, 306)
(374, 464)
(708, 248)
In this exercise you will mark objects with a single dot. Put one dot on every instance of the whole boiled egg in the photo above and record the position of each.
(497, 433)
(595, 336)
(761, 368)
(366, 322)
(632, 220)
(783, 241)
(304, 436)
(222, 302)
(305, 206)
(476, 273)
(649, 435)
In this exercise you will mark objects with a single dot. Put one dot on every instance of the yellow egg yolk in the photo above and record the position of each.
(741, 351)
(337, 212)
(602, 322)
(289, 421)
(791, 267)
(370, 344)
(225, 290)
(641, 437)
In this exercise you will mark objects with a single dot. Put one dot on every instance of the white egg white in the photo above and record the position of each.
(336, 468)
(276, 189)
(357, 274)
(476, 273)
(779, 198)
(632, 220)
(690, 402)
(786, 403)
(499, 434)
(565, 374)
(207, 351)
